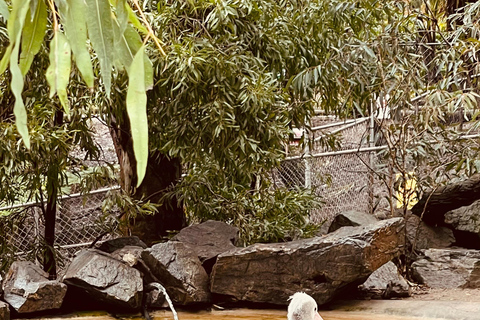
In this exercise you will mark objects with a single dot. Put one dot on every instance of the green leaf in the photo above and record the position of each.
(137, 113)
(14, 26)
(127, 46)
(100, 30)
(58, 72)
(32, 36)
(4, 12)
(73, 18)
(132, 18)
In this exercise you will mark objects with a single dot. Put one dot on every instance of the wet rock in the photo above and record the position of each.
(208, 240)
(27, 289)
(351, 219)
(105, 279)
(4, 311)
(425, 236)
(110, 246)
(320, 266)
(179, 270)
(448, 268)
(386, 282)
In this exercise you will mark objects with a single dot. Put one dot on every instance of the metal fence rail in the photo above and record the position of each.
(80, 220)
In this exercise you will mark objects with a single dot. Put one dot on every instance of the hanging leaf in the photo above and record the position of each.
(100, 30)
(58, 72)
(14, 27)
(4, 10)
(122, 15)
(32, 35)
(137, 113)
(127, 46)
(132, 18)
(73, 18)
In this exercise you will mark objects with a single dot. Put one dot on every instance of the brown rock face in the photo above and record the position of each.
(179, 270)
(105, 279)
(208, 240)
(448, 268)
(27, 289)
(320, 266)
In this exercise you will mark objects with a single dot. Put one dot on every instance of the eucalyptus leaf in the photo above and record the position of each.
(58, 72)
(4, 12)
(100, 31)
(76, 32)
(137, 113)
(32, 35)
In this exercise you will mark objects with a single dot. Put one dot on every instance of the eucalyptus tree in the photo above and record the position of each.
(45, 101)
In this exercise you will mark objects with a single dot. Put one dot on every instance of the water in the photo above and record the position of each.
(236, 314)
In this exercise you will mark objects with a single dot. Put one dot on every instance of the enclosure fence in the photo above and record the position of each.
(79, 221)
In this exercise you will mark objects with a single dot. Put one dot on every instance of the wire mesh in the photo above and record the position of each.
(79, 221)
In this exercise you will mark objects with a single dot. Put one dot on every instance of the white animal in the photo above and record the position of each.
(302, 307)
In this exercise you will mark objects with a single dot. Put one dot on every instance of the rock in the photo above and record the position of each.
(105, 279)
(448, 268)
(128, 254)
(154, 297)
(179, 270)
(386, 282)
(4, 311)
(27, 288)
(208, 240)
(321, 266)
(465, 218)
(426, 236)
(110, 246)
(351, 219)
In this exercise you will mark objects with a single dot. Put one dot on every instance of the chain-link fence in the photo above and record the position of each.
(79, 221)
(342, 179)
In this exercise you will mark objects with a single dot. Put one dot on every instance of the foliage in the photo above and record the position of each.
(108, 25)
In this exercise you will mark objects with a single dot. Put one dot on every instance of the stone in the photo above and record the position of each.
(466, 219)
(322, 267)
(385, 282)
(448, 268)
(351, 219)
(128, 254)
(105, 279)
(425, 236)
(179, 270)
(154, 297)
(208, 240)
(4, 311)
(27, 289)
(110, 246)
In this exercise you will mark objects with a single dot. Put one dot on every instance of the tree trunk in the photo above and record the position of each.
(447, 198)
(50, 213)
(162, 173)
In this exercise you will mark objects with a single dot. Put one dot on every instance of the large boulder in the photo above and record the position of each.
(425, 236)
(448, 268)
(112, 245)
(208, 240)
(27, 288)
(320, 266)
(105, 279)
(351, 219)
(4, 311)
(179, 270)
(386, 282)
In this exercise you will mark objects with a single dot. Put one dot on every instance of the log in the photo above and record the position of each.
(447, 198)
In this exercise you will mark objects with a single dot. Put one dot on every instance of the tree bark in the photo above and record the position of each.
(162, 173)
(447, 198)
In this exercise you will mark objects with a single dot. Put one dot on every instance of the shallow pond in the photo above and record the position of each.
(237, 314)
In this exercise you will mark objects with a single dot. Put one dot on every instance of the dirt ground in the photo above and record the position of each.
(428, 294)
